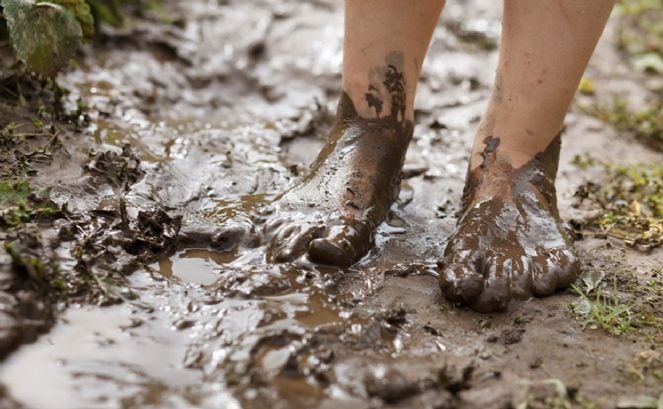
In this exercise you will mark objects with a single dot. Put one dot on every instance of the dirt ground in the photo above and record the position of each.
(224, 108)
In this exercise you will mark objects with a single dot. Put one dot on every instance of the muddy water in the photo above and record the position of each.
(86, 362)
(195, 265)
(167, 348)
(226, 109)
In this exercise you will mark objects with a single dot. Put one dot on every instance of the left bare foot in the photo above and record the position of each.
(509, 243)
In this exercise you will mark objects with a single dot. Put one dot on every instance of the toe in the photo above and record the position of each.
(496, 292)
(518, 270)
(544, 277)
(296, 244)
(460, 274)
(554, 269)
(460, 283)
(272, 225)
(342, 246)
(327, 251)
(279, 240)
(566, 266)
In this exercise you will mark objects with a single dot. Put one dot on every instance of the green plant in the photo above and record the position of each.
(602, 310)
(46, 34)
(640, 33)
(646, 124)
(19, 204)
(629, 203)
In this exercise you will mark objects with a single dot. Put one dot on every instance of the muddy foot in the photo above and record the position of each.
(509, 243)
(332, 214)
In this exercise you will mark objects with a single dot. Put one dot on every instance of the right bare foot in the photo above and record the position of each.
(332, 214)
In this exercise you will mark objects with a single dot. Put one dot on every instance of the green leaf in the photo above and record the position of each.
(19, 204)
(44, 35)
(12, 193)
(81, 10)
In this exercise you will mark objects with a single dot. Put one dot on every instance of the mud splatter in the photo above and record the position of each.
(489, 152)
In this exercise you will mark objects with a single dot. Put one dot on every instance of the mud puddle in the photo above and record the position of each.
(223, 128)
(178, 345)
(195, 265)
(100, 358)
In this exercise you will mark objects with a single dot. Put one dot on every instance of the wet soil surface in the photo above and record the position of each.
(194, 125)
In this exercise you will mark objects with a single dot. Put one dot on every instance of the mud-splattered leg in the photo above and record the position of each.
(510, 243)
(333, 213)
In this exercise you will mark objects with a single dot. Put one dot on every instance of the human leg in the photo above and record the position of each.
(509, 242)
(332, 214)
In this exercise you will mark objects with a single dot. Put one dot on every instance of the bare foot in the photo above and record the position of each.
(509, 243)
(332, 214)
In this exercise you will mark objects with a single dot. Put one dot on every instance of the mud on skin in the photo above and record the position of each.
(332, 214)
(509, 243)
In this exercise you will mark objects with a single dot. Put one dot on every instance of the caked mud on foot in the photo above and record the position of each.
(509, 243)
(332, 214)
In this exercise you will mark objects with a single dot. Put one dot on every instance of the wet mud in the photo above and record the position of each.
(157, 286)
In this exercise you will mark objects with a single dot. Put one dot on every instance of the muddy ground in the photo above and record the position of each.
(170, 134)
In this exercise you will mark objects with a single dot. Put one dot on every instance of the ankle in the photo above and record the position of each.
(371, 101)
(488, 150)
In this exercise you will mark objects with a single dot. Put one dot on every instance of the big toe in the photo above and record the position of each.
(459, 280)
(291, 241)
(342, 246)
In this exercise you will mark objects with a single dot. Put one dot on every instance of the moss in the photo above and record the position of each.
(628, 204)
(20, 204)
(646, 124)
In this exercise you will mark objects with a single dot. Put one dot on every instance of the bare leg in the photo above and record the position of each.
(333, 213)
(509, 242)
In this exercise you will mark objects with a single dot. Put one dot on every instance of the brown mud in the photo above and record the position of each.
(159, 300)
